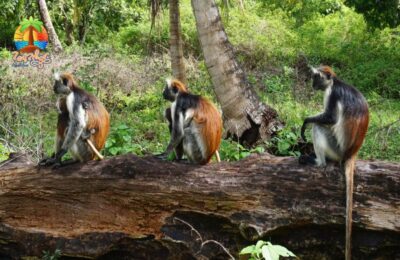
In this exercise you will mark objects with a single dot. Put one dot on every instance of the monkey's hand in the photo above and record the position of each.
(86, 134)
(303, 129)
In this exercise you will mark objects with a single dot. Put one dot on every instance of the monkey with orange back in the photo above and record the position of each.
(338, 132)
(194, 122)
(83, 123)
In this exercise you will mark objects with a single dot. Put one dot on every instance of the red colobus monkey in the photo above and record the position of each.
(194, 123)
(338, 132)
(83, 123)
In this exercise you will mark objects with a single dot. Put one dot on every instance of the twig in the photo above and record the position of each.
(204, 242)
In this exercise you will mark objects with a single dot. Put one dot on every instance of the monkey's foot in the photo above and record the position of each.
(183, 161)
(47, 161)
(307, 160)
(64, 163)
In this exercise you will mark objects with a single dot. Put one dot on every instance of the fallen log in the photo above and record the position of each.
(128, 207)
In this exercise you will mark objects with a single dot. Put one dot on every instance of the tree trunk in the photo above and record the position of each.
(31, 40)
(175, 43)
(245, 116)
(44, 13)
(128, 207)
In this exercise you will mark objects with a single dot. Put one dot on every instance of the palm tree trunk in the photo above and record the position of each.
(31, 40)
(246, 118)
(44, 13)
(176, 50)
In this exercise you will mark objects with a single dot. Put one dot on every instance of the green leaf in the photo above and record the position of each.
(37, 25)
(247, 250)
(274, 255)
(123, 126)
(283, 146)
(265, 253)
(24, 27)
(259, 244)
(114, 150)
(283, 251)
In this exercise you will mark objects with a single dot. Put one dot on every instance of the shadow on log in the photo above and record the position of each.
(128, 207)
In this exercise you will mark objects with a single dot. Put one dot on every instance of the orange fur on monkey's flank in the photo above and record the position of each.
(208, 116)
(99, 120)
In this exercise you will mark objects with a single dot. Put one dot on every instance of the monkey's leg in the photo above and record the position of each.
(179, 152)
(51, 160)
(75, 129)
(321, 144)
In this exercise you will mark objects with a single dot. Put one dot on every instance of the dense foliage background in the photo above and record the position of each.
(111, 48)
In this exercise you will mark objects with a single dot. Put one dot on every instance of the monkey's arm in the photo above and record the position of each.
(179, 147)
(328, 117)
(177, 133)
(75, 129)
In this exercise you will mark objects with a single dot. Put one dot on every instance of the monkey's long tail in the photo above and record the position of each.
(217, 156)
(349, 175)
(94, 149)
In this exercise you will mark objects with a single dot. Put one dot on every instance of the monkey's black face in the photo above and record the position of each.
(320, 82)
(61, 87)
(169, 94)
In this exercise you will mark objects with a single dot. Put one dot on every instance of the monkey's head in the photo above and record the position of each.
(172, 89)
(64, 83)
(322, 77)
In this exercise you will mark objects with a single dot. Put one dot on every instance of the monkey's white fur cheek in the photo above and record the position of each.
(168, 82)
(57, 76)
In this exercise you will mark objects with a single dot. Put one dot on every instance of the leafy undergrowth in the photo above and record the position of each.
(268, 40)
(28, 114)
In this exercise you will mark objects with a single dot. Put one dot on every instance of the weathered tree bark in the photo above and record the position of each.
(44, 13)
(245, 117)
(175, 42)
(141, 208)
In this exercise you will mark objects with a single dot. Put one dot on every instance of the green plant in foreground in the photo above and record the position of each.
(266, 250)
(47, 255)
